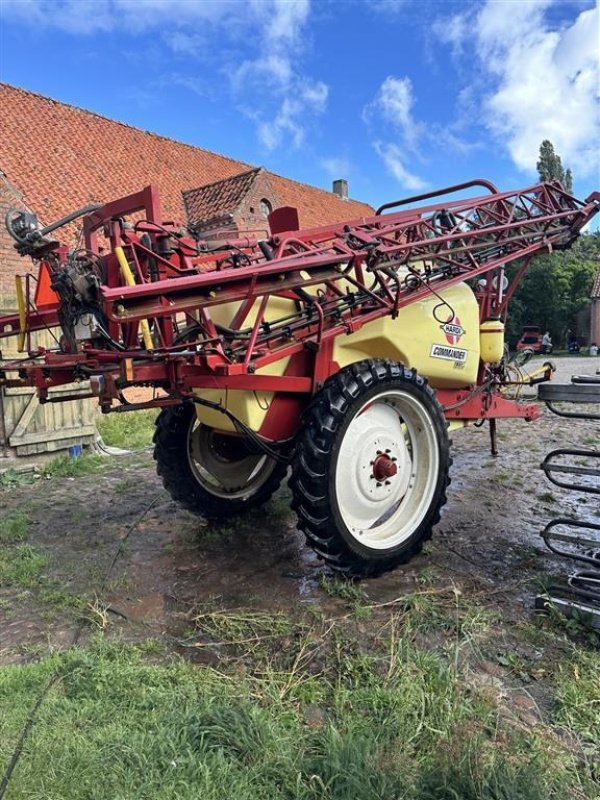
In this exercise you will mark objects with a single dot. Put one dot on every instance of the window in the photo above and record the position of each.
(265, 207)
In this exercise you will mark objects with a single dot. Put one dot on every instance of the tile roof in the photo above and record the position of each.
(596, 286)
(61, 157)
(220, 198)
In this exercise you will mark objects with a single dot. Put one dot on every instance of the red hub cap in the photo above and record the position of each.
(384, 467)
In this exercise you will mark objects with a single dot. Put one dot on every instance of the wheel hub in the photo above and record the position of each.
(384, 467)
(375, 466)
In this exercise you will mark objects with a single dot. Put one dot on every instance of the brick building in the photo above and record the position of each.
(595, 311)
(240, 203)
(55, 158)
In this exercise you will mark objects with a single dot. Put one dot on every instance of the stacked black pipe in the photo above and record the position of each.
(577, 470)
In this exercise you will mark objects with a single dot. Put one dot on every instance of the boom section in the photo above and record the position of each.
(136, 305)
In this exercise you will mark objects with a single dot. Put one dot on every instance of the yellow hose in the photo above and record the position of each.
(129, 279)
(22, 313)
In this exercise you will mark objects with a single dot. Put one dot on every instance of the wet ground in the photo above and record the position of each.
(121, 553)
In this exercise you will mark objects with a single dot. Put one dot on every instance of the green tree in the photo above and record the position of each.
(568, 181)
(550, 166)
(555, 289)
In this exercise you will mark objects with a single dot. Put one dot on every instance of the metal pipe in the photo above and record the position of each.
(129, 279)
(3, 425)
(450, 190)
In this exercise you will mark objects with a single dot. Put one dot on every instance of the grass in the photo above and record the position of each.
(54, 595)
(344, 589)
(21, 566)
(578, 697)
(12, 478)
(67, 467)
(14, 528)
(383, 723)
(383, 701)
(130, 431)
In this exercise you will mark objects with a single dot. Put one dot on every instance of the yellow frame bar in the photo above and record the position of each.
(22, 313)
(129, 279)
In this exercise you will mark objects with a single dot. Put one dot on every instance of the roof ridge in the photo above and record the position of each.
(126, 124)
(318, 188)
(223, 180)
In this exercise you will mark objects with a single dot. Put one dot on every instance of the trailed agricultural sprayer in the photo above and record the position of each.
(344, 353)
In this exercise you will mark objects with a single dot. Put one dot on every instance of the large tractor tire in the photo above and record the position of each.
(213, 474)
(370, 470)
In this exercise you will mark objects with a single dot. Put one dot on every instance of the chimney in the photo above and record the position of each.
(340, 187)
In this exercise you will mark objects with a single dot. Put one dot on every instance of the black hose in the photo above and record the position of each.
(69, 218)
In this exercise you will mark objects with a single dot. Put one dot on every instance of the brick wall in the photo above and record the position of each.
(595, 321)
(249, 216)
(11, 262)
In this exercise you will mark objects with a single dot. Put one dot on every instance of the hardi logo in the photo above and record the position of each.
(453, 330)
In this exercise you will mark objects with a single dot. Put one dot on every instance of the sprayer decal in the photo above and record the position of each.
(448, 353)
(453, 330)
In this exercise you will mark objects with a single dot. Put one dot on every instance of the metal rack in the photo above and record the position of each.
(577, 470)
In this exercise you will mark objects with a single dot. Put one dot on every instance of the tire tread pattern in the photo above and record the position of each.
(312, 465)
(171, 456)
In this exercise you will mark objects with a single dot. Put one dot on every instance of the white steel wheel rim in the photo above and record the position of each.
(221, 476)
(383, 511)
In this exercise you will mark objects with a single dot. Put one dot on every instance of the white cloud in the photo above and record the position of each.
(393, 104)
(391, 114)
(182, 43)
(282, 19)
(94, 16)
(337, 166)
(390, 8)
(392, 157)
(290, 99)
(309, 98)
(452, 31)
(266, 37)
(539, 79)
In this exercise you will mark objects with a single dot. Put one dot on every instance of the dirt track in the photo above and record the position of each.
(173, 565)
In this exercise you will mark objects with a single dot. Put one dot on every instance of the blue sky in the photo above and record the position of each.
(397, 96)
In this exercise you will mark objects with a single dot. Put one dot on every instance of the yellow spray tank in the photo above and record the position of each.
(491, 340)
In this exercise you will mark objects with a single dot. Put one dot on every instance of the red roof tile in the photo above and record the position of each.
(61, 157)
(217, 199)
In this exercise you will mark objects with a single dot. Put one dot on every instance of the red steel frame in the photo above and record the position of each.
(364, 269)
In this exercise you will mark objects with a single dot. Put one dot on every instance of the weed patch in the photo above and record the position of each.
(578, 698)
(12, 478)
(21, 566)
(67, 467)
(14, 528)
(131, 431)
